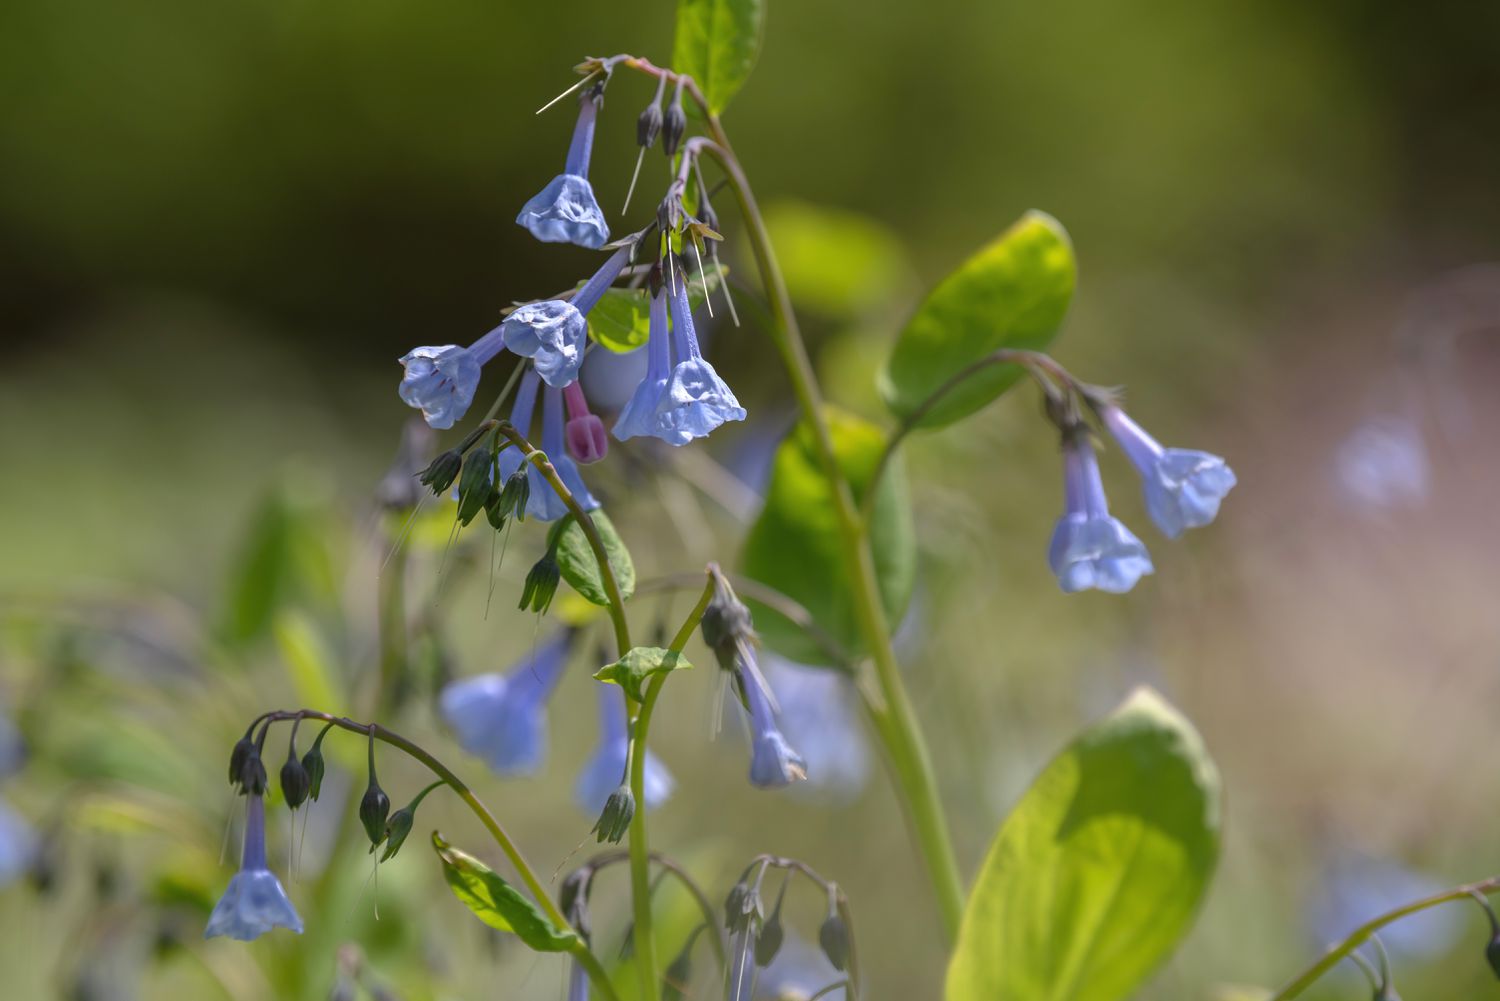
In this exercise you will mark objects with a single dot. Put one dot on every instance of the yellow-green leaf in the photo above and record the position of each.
(631, 671)
(1013, 293)
(497, 903)
(716, 44)
(1098, 871)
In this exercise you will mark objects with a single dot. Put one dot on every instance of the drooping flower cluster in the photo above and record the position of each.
(1091, 549)
(682, 398)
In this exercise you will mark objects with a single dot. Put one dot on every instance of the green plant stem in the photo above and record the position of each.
(518, 861)
(892, 715)
(640, 861)
(640, 847)
(1362, 934)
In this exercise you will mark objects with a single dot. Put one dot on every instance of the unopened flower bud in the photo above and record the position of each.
(312, 763)
(240, 756)
(587, 440)
(674, 124)
(648, 126)
(742, 904)
(833, 936)
(442, 471)
(252, 776)
(374, 807)
(768, 943)
(541, 584)
(474, 484)
(515, 495)
(396, 829)
(619, 809)
(1492, 953)
(494, 512)
(295, 782)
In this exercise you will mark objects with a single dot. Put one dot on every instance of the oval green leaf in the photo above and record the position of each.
(1097, 873)
(631, 671)
(497, 903)
(1014, 293)
(794, 544)
(575, 557)
(716, 44)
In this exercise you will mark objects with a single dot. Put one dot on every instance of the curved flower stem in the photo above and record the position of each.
(1041, 367)
(1364, 932)
(530, 453)
(891, 714)
(528, 876)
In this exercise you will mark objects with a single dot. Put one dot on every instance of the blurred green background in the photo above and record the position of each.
(221, 223)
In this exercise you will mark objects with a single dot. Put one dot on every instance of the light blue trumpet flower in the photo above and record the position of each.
(605, 771)
(440, 380)
(566, 211)
(1183, 487)
(1089, 548)
(554, 333)
(254, 903)
(502, 718)
(773, 762)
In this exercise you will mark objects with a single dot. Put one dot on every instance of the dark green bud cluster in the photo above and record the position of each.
(619, 810)
(374, 807)
(541, 583)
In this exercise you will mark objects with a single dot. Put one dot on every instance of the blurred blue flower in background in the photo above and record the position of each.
(605, 770)
(1356, 888)
(566, 211)
(1383, 464)
(1089, 548)
(502, 718)
(254, 902)
(18, 844)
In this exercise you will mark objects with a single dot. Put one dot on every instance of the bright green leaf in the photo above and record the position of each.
(716, 44)
(836, 262)
(1014, 293)
(1098, 871)
(581, 570)
(497, 903)
(631, 671)
(794, 544)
